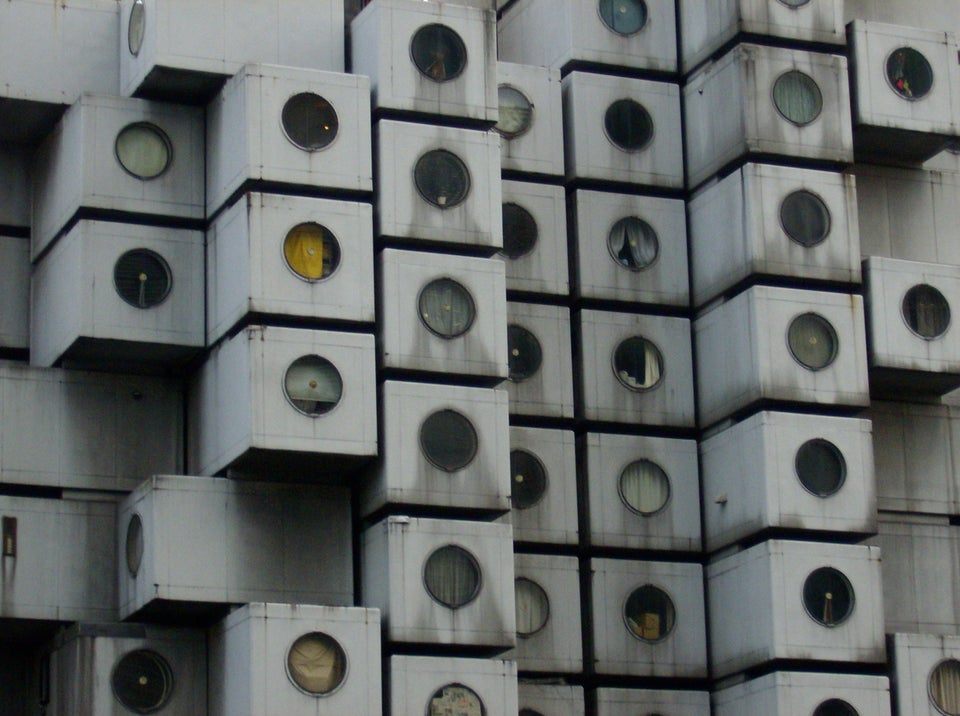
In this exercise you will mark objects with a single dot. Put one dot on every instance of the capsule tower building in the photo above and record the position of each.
(480, 357)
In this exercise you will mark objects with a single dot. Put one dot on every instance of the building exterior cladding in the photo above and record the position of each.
(404, 357)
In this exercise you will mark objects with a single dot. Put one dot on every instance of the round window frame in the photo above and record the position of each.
(468, 182)
(301, 147)
(656, 239)
(529, 123)
(646, 20)
(317, 694)
(629, 150)
(134, 544)
(833, 449)
(141, 17)
(833, 332)
(165, 669)
(283, 386)
(624, 500)
(163, 264)
(851, 711)
(794, 5)
(473, 561)
(546, 478)
(933, 701)
(776, 106)
(886, 74)
(473, 308)
(820, 204)
(539, 362)
(903, 312)
(850, 591)
(633, 388)
(546, 598)
(483, 706)
(673, 606)
(513, 256)
(291, 269)
(473, 432)
(159, 133)
(462, 46)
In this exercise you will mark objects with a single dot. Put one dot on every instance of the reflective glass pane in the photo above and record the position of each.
(316, 663)
(441, 178)
(794, 3)
(313, 385)
(827, 596)
(797, 97)
(134, 544)
(624, 17)
(638, 364)
(628, 124)
(820, 467)
(926, 311)
(520, 231)
(452, 576)
(532, 605)
(812, 340)
(311, 251)
(142, 278)
(516, 112)
(805, 218)
(649, 613)
(633, 243)
(309, 121)
(455, 700)
(135, 27)
(142, 681)
(446, 308)
(944, 687)
(525, 355)
(835, 707)
(644, 487)
(528, 479)
(448, 440)
(909, 73)
(143, 150)
(438, 52)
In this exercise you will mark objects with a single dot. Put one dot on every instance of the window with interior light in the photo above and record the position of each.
(309, 121)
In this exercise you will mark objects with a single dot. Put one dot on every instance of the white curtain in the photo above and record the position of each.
(532, 605)
(451, 576)
(446, 307)
(142, 151)
(644, 486)
(797, 97)
(945, 686)
(633, 242)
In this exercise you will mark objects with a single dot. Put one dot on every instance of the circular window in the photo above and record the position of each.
(926, 311)
(528, 479)
(448, 440)
(143, 150)
(797, 97)
(452, 576)
(438, 52)
(515, 111)
(628, 125)
(812, 341)
(805, 218)
(944, 687)
(624, 17)
(313, 385)
(446, 308)
(820, 467)
(442, 178)
(309, 121)
(649, 613)
(533, 607)
(529, 712)
(135, 27)
(142, 681)
(835, 707)
(827, 596)
(134, 546)
(638, 364)
(520, 231)
(644, 487)
(794, 3)
(316, 663)
(633, 243)
(909, 73)
(455, 699)
(525, 354)
(142, 278)
(311, 251)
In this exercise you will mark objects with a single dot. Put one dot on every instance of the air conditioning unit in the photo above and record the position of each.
(433, 685)
(540, 379)
(547, 594)
(122, 669)
(781, 344)
(791, 693)
(925, 669)
(543, 486)
(914, 459)
(14, 292)
(555, 699)
(648, 618)
(442, 446)
(635, 368)
(626, 702)
(907, 213)
(289, 256)
(708, 26)
(911, 345)
(634, 35)
(439, 185)
(118, 295)
(920, 573)
(766, 220)
(428, 58)
(903, 85)
(53, 555)
(50, 59)
(183, 51)
(15, 164)
(534, 218)
(642, 492)
(118, 156)
(441, 582)
(442, 313)
(788, 471)
(296, 659)
(286, 403)
(531, 119)
(622, 129)
(795, 600)
(100, 431)
(286, 125)
(629, 248)
(762, 101)
(201, 544)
